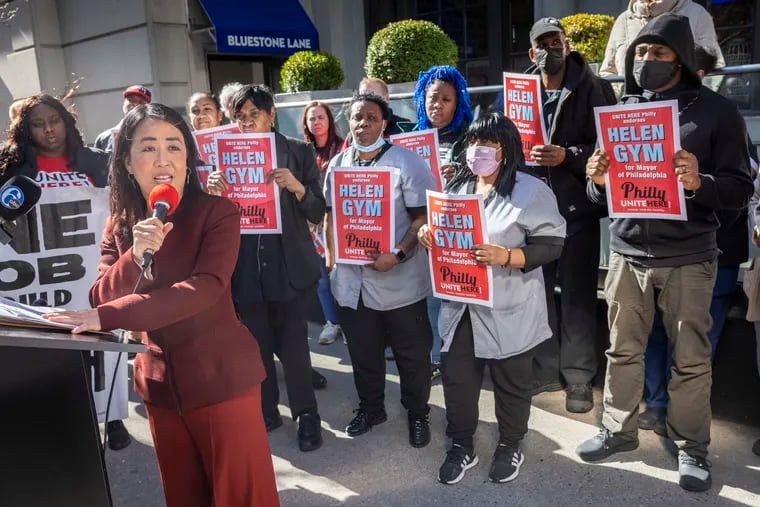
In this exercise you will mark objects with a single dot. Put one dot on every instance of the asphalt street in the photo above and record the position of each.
(381, 469)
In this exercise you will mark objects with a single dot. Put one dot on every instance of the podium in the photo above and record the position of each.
(50, 447)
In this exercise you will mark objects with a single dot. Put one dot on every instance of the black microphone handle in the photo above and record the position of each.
(160, 211)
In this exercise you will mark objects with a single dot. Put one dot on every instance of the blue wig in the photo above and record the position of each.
(449, 75)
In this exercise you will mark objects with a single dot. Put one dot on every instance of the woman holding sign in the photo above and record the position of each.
(443, 103)
(525, 231)
(204, 111)
(275, 271)
(320, 131)
(379, 280)
(201, 376)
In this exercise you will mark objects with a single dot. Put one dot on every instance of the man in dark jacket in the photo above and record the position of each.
(732, 242)
(668, 264)
(569, 93)
(135, 95)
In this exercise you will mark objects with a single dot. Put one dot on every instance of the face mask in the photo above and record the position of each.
(372, 147)
(652, 75)
(482, 160)
(549, 61)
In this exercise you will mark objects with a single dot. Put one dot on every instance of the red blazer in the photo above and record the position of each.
(198, 351)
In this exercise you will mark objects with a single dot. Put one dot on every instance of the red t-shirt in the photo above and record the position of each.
(55, 172)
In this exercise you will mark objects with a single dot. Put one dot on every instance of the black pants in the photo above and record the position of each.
(572, 348)
(462, 375)
(407, 331)
(280, 328)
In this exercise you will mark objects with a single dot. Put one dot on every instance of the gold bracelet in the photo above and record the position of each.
(509, 259)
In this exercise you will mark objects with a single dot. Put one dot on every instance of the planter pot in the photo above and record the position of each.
(307, 96)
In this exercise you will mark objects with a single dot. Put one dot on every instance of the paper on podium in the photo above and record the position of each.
(21, 315)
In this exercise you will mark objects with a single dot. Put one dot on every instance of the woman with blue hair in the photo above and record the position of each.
(443, 103)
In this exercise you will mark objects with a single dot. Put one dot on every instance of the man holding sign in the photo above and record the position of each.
(568, 93)
(669, 264)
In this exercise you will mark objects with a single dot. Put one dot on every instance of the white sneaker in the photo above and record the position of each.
(329, 333)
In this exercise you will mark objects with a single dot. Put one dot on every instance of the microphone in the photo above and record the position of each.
(17, 198)
(162, 200)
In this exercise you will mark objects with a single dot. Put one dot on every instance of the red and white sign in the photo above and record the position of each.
(523, 105)
(457, 224)
(641, 140)
(247, 161)
(362, 213)
(425, 144)
(204, 139)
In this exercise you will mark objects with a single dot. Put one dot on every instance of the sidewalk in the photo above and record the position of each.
(381, 469)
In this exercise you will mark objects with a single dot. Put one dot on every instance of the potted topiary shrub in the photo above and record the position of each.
(311, 70)
(307, 76)
(398, 52)
(588, 34)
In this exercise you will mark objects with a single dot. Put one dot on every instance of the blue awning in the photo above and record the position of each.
(251, 27)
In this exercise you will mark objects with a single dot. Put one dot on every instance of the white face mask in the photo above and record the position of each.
(372, 147)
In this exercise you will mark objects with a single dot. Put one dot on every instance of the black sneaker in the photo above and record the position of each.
(309, 432)
(652, 417)
(756, 448)
(605, 444)
(580, 398)
(419, 431)
(273, 422)
(458, 461)
(693, 472)
(118, 436)
(661, 428)
(506, 463)
(363, 422)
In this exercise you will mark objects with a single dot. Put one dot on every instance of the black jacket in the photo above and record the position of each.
(714, 131)
(301, 259)
(90, 161)
(574, 128)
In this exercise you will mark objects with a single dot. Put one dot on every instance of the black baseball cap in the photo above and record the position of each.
(544, 26)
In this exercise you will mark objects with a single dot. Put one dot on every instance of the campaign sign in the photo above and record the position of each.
(362, 213)
(523, 105)
(425, 144)
(457, 224)
(247, 161)
(641, 140)
(204, 139)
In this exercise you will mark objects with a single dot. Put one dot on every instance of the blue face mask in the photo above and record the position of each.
(372, 147)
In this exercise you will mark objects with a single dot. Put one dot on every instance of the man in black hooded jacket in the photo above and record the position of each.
(670, 264)
(569, 93)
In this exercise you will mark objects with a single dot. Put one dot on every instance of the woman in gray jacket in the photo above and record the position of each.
(525, 231)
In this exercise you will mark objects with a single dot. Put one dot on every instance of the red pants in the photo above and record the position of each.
(216, 455)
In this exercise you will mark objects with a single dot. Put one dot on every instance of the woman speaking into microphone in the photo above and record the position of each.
(201, 377)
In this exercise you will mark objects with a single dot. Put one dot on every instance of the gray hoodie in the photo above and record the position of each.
(629, 23)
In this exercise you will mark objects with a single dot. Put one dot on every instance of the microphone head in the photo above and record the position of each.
(166, 194)
(17, 197)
